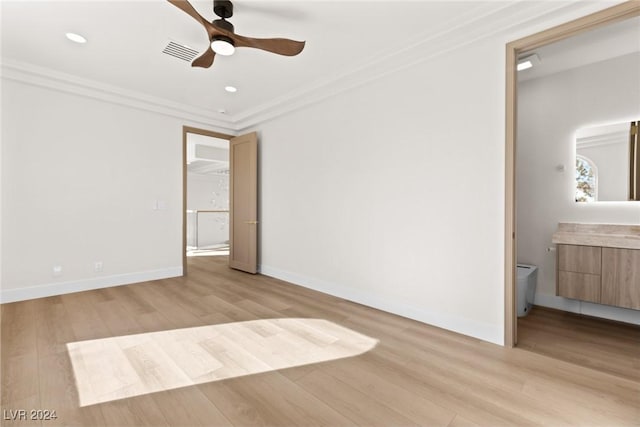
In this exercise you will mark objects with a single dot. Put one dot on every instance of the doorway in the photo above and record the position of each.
(205, 204)
(514, 49)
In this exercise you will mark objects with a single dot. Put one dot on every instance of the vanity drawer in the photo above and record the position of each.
(585, 287)
(580, 259)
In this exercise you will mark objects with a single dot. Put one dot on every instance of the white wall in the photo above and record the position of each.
(550, 110)
(1, 178)
(392, 194)
(208, 192)
(80, 181)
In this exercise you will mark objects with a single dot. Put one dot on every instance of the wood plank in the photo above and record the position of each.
(18, 329)
(20, 387)
(52, 322)
(563, 397)
(117, 318)
(178, 315)
(129, 299)
(584, 287)
(350, 402)
(58, 392)
(603, 345)
(474, 388)
(19, 372)
(17, 414)
(138, 411)
(188, 406)
(580, 259)
(271, 399)
(84, 319)
(384, 392)
(621, 278)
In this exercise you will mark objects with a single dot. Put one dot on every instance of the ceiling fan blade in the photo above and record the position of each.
(185, 6)
(205, 60)
(280, 46)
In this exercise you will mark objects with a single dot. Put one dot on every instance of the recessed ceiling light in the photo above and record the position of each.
(76, 38)
(231, 89)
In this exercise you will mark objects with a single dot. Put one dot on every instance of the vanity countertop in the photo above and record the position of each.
(606, 235)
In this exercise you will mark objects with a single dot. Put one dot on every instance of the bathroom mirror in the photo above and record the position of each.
(607, 163)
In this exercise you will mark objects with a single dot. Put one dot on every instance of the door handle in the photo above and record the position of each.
(251, 222)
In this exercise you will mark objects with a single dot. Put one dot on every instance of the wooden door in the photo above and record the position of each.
(243, 200)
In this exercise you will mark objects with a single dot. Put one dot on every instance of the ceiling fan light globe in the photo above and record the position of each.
(223, 47)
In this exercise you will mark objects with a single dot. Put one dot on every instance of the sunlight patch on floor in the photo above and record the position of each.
(126, 366)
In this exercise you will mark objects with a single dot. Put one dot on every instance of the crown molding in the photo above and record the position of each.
(55, 80)
(379, 66)
(515, 19)
(488, 19)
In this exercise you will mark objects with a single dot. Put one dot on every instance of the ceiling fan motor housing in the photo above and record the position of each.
(223, 8)
(225, 25)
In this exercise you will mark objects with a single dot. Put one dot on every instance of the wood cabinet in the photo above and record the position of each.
(580, 259)
(602, 275)
(579, 270)
(585, 287)
(621, 278)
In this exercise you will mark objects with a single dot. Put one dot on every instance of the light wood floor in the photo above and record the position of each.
(416, 375)
(126, 366)
(599, 344)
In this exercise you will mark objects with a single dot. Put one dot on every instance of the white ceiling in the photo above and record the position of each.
(347, 42)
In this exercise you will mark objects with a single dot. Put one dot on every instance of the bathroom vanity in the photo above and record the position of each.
(599, 263)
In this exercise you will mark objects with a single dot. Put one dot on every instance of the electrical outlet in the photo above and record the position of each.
(57, 271)
(97, 266)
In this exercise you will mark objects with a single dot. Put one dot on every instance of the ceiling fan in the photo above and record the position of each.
(223, 40)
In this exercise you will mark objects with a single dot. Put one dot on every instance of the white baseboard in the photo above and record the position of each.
(462, 325)
(51, 289)
(581, 307)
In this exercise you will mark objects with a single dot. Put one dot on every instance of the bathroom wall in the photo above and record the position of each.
(550, 110)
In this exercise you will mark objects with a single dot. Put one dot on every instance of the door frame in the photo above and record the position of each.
(595, 20)
(185, 131)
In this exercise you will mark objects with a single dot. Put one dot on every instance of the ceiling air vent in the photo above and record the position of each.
(179, 51)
